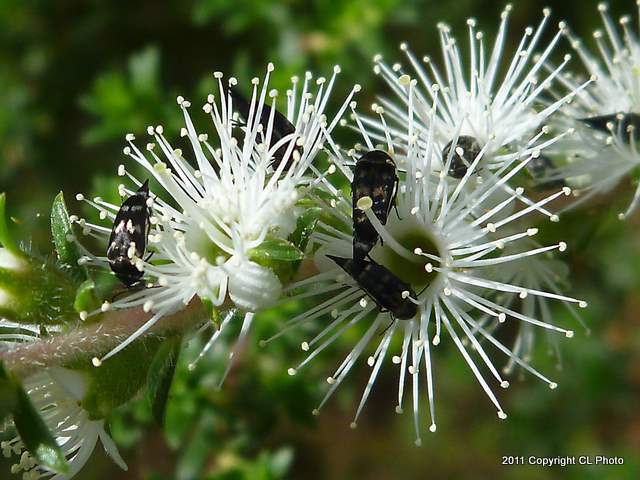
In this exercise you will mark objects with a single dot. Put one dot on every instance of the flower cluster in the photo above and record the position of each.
(423, 232)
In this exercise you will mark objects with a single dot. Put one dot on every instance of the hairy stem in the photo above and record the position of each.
(85, 342)
(94, 340)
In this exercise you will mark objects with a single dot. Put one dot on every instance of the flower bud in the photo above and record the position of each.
(252, 286)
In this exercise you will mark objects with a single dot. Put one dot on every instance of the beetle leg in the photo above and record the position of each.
(422, 291)
(133, 288)
(395, 207)
(139, 285)
(388, 326)
(117, 294)
(394, 199)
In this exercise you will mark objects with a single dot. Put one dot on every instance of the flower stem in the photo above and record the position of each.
(86, 342)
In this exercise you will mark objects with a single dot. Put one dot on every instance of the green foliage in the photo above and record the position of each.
(129, 101)
(266, 466)
(160, 377)
(16, 123)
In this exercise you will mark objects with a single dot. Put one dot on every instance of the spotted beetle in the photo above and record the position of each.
(461, 163)
(374, 177)
(281, 127)
(128, 238)
(384, 288)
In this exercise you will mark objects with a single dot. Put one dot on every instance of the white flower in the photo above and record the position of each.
(231, 196)
(603, 151)
(617, 86)
(57, 394)
(445, 235)
(486, 117)
(477, 100)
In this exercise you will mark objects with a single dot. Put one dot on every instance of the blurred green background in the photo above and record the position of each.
(75, 76)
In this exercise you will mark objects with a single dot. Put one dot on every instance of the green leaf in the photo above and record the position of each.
(86, 297)
(63, 237)
(7, 394)
(91, 293)
(160, 377)
(106, 285)
(5, 235)
(119, 378)
(35, 435)
(276, 249)
(305, 226)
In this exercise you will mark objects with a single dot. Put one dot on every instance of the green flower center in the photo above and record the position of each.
(199, 242)
(411, 271)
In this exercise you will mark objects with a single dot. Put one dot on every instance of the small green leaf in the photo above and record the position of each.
(106, 285)
(86, 297)
(93, 292)
(5, 235)
(63, 238)
(160, 377)
(35, 435)
(276, 249)
(305, 226)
